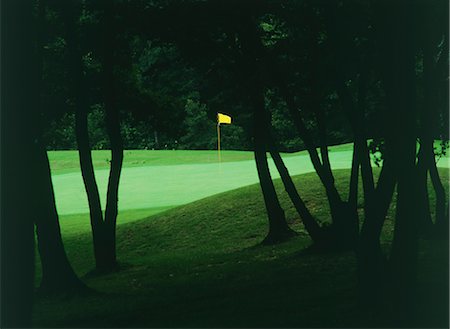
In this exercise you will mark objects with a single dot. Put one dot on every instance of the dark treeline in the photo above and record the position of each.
(293, 75)
(196, 131)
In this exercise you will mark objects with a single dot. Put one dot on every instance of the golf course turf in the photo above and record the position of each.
(202, 265)
(171, 178)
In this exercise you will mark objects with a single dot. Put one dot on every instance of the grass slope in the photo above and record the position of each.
(201, 265)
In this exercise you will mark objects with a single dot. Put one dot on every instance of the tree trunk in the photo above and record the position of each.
(401, 96)
(18, 190)
(343, 218)
(442, 221)
(405, 244)
(19, 111)
(372, 264)
(113, 130)
(278, 227)
(113, 188)
(90, 184)
(429, 118)
(112, 198)
(371, 261)
(354, 175)
(352, 201)
(76, 71)
(423, 203)
(312, 227)
(251, 62)
(58, 276)
(339, 210)
(103, 229)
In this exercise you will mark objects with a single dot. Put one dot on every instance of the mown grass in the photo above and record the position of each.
(201, 265)
(176, 182)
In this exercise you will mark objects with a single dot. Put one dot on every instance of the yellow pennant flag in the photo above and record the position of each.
(223, 118)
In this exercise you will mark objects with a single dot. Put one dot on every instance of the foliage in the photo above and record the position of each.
(377, 149)
(61, 133)
(200, 131)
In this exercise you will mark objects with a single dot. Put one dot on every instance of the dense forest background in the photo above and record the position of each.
(170, 88)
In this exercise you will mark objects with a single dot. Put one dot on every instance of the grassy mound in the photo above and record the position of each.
(201, 265)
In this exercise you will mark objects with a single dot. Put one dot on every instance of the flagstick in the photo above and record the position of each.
(218, 141)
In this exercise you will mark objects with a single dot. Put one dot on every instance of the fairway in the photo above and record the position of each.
(156, 186)
(166, 184)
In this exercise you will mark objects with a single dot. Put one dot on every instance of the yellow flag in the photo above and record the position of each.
(223, 118)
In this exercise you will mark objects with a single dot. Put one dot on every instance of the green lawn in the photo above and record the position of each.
(201, 265)
(172, 185)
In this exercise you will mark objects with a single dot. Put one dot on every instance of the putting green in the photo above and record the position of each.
(162, 186)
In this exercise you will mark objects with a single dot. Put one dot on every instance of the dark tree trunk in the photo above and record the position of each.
(113, 126)
(344, 220)
(103, 231)
(425, 157)
(103, 227)
(354, 176)
(19, 99)
(251, 63)
(17, 192)
(58, 276)
(429, 119)
(442, 220)
(372, 264)
(344, 215)
(355, 116)
(90, 184)
(426, 152)
(278, 227)
(352, 200)
(405, 245)
(113, 129)
(312, 227)
(340, 214)
(81, 129)
(371, 261)
(305, 135)
(113, 186)
(401, 98)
